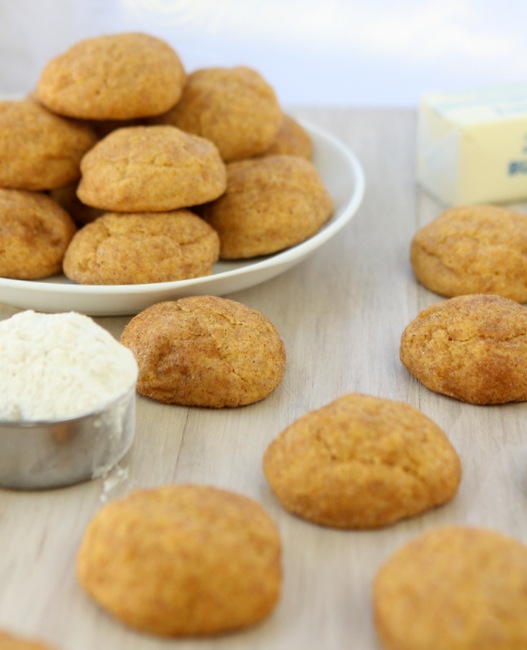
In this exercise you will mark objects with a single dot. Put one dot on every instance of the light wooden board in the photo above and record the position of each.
(341, 314)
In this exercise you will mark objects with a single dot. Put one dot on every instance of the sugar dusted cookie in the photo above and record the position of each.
(182, 560)
(113, 77)
(233, 107)
(362, 462)
(292, 139)
(39, 150)
(34, 235)
(10, 642)
(270, 203)
(472, 348)
(142, 248)
(205, 351)
(151, 169)
(459, 588)
(473, 249)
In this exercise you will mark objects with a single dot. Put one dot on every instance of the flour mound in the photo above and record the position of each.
(58, 366)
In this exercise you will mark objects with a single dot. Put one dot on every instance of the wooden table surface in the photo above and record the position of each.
(341, 314)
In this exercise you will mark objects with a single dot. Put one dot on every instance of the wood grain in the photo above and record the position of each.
(341, 314)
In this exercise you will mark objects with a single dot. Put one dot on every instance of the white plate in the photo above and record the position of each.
(344, 179)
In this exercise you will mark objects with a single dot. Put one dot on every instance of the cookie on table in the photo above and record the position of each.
(233, 107)
(473, 249)
(142, 248)
(151, 169)
(472, 348)
(205, 351)
(291, 140)
(113, 77)
(182, 560)
(362, 462)
(38, 149)
(10, 642)
(271, 203)
(34, 235)
(461, 588)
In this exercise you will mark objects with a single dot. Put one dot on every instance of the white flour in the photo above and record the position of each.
(57, 366)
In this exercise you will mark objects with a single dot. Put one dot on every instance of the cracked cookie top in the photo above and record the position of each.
(362, 462)
(151, 169)
(205, 351)
(473, 249)
(142, 248)
(472, 348)
(113, 77)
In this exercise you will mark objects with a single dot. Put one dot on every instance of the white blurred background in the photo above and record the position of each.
(313, 52)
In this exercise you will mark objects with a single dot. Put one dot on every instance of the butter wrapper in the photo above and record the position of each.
(472, 145)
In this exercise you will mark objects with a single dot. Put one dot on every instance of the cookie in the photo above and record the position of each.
(233, 107)
(205, 351)
(472, 348)
(151, 169)
(39, 150)
(362, 462)
(182, 560)
(271, 203)
(34, 235)
(142, 248)
(113, 77)
(10, 642)
(291, 140)
(455, 587)
(473, 249)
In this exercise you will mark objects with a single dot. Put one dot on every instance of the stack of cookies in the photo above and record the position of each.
(146, 174)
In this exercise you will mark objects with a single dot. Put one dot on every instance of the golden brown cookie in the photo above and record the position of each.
(205, 351)
(142, 248)
(291, 140)
(362, 462)
(473, 249)
(151, 169)
(39, 150)
(34, 234)
(10, 642)
(113, 77)
(233, 107)
(457, 588)
(182, 560)
(270, 203)
(472, 348)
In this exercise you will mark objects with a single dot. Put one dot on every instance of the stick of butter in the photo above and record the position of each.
(472, 145)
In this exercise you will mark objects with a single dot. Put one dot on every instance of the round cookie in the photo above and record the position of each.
(205, 351)
(362, 462)
(473, 249)
(34, 234)
(182, 560)
(472, 348)
(113, 77)
(151, 169)
(39, 150)
(10, 642)
(291, 140)
(455, 587)
(270, 203)
(233, 107)
(142, 248)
